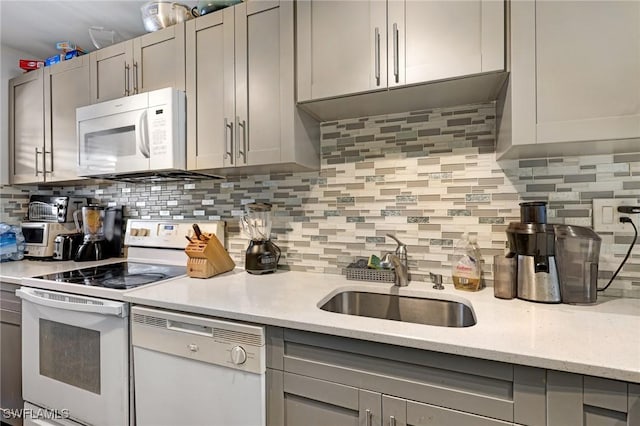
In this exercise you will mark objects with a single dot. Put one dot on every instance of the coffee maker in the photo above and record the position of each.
(102, 229)
(532, 240)
(262, 255)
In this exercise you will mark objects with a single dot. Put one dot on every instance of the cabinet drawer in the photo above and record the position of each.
(605, 393)
(320, 390)
(8, 299)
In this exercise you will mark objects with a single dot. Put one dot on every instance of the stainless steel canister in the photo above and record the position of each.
(504, 277)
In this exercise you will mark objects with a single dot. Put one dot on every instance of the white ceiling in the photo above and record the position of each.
(34, 26)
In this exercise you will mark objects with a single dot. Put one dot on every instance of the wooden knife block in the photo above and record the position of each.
(207, 258)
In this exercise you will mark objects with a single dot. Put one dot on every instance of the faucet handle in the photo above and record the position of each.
(437, 280)
(402, 247)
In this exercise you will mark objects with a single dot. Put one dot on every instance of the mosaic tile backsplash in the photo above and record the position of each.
(425, 176)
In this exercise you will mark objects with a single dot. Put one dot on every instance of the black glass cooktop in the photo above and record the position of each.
(119, 276)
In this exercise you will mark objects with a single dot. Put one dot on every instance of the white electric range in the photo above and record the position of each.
(75, 328)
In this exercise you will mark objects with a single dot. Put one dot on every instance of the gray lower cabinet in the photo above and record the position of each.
(10, 352)
(323, 380)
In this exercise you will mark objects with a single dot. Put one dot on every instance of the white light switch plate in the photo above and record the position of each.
(606, 217)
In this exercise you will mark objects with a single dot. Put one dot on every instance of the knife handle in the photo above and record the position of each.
(196, 229)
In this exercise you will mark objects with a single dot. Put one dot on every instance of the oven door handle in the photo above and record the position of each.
(72, 302)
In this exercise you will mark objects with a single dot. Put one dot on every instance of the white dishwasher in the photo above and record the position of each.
(197, 371)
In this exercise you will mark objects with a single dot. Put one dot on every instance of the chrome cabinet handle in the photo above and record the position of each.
(228, 127)
(126, 79)
(44, 162)
(392, 421)
(243, 126)
(377, 55)
(396, 53)
(135, 77)
(36, 155)
(368, 415)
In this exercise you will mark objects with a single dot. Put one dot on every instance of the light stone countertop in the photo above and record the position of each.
(13, 272)
(600, 340)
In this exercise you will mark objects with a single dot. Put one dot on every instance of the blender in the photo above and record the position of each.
(92, 247)
(262, 255)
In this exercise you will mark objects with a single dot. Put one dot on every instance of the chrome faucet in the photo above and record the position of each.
(400, 263)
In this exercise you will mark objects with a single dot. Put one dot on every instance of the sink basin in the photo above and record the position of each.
(443, 313)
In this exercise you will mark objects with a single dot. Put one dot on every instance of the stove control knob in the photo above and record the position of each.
(238, 355)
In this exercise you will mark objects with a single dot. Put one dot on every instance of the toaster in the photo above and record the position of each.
(65, 246)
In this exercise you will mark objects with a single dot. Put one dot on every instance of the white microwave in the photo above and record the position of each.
(137, 137)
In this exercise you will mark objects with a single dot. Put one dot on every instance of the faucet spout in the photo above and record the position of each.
(401, 270)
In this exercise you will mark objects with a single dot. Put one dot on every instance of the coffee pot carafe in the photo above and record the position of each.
(262, 255)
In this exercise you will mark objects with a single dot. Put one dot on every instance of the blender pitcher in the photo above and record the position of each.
(262, 255)
(92, 222)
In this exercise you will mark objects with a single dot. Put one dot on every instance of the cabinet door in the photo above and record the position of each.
(66, 87)
(258, 85)
(394, 411)
(159, 60)
(342, 47)
(10, 351)
(435, 40)
(419, 414)
(314, 402)
(111, 72)
(588, 84)
(26, 127)
(210, 90)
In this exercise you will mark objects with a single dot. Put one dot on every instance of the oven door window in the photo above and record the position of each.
(70, 354)
(114, 144)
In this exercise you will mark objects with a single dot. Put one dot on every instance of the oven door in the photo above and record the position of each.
(75, 355)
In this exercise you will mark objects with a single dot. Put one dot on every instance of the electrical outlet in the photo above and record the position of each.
(605, 214)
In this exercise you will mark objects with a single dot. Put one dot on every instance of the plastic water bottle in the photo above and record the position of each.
(20, 243)
(12, 244)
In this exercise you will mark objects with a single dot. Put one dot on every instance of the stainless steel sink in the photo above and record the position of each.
(443, 313)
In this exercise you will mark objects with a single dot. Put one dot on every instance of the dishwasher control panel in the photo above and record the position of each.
(229, 344)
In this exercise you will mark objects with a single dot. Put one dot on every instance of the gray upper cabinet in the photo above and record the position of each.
(342, 47)
(569, 84)
(26, 127)
(436, 40)
(42, 121)
(152, 61)
(348, 47)
(66, 87)
(363, 58)
(210, 82)
(240, 92)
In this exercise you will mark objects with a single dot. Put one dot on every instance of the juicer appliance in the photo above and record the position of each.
(555, 263)
(262, 255)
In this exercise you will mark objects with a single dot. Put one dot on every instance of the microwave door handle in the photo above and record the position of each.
(142, 135)
(107, 308)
